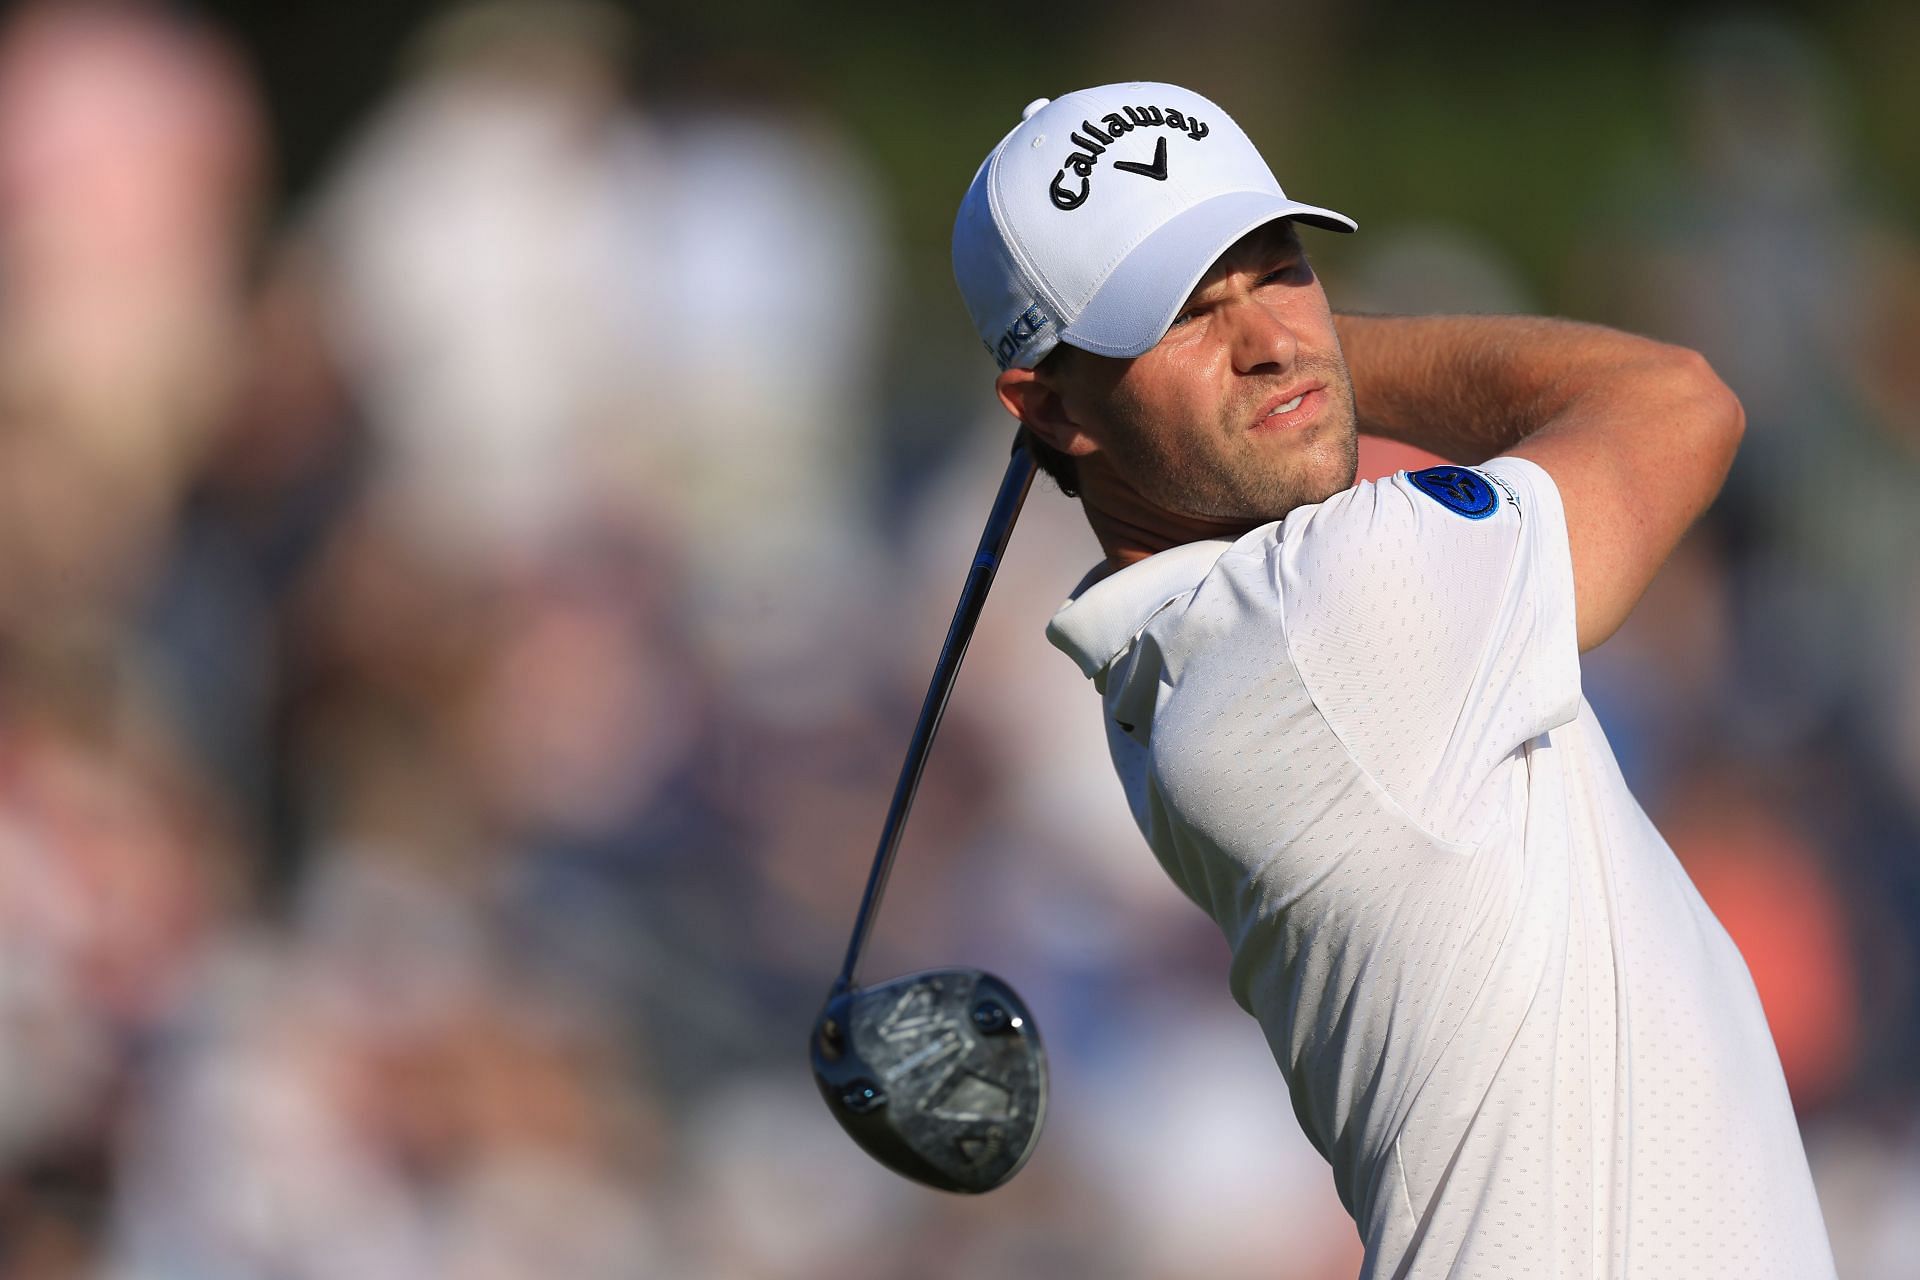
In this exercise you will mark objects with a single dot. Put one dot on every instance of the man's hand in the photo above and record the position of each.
(1637, 435)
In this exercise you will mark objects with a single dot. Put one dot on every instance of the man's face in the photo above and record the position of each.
(1206, 424)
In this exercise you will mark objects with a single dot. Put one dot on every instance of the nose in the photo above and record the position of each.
(1261, 340)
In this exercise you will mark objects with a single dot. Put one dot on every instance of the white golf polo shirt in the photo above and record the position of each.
(1356, 738)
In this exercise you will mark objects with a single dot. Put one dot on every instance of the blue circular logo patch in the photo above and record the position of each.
(1458, 489)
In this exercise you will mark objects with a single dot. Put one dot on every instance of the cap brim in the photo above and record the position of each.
(1131, 310)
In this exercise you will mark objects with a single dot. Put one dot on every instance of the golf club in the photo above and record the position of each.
(938, 1075)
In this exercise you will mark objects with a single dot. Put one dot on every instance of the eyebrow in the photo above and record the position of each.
(1260, 257)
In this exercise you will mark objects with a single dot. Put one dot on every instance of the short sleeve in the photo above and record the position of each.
(1431, 616)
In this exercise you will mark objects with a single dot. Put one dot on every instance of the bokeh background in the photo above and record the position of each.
(480, 492)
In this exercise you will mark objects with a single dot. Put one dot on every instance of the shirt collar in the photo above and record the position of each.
(1104, 614)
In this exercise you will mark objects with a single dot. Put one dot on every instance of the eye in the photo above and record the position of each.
(1293, 269)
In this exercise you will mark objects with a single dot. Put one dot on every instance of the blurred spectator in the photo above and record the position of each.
(130, 158)
(564, 315)
(1761, 252)
(473, 255)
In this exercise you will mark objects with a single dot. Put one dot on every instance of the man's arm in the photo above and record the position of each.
(1637, 435)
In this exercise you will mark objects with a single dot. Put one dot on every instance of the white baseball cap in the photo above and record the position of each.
(1091, 222)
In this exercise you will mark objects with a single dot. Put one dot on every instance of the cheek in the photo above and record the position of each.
(1177, 394)
(1156, 427)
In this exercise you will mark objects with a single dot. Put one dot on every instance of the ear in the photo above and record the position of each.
(1036, 402)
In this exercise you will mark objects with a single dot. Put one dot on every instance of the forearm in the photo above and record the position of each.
(1637, 435)
(1471, 387)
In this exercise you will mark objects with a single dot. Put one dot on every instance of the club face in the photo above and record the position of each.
(940, 1076)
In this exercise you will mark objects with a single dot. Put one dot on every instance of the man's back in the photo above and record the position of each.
(1356, 739)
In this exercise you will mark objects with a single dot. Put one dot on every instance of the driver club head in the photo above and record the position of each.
(939, 1075)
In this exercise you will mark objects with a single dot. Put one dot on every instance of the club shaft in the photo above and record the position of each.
(986, 562)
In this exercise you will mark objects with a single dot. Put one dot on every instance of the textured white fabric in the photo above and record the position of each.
(1356, 739)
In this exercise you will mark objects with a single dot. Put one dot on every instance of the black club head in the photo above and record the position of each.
(940, 1076)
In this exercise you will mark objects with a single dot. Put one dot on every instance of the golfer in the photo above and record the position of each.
(1348, 717)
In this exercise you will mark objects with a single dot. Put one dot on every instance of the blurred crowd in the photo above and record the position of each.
(457, 636)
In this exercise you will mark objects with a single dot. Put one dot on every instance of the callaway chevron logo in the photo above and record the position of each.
(1071, 185)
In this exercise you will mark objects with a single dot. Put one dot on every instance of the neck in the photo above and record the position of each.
(1131, 528)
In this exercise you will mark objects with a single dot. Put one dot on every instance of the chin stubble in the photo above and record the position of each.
(1211, 487)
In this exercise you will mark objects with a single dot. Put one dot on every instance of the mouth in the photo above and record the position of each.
(1292, 408)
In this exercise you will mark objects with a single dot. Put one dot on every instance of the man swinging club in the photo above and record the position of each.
(1348, 717)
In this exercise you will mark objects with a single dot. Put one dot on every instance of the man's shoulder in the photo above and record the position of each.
(1393, 541)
